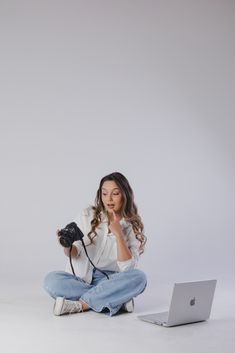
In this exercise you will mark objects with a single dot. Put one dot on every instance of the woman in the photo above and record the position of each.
(114, 239)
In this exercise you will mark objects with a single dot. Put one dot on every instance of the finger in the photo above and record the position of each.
(114, 215)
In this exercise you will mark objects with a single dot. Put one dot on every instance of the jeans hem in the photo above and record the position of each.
(112, 311)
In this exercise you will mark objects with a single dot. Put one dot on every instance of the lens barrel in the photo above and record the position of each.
(65, 242)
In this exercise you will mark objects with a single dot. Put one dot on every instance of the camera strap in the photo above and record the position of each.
(70, 259)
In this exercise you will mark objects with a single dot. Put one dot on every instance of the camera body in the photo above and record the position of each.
(70, 234)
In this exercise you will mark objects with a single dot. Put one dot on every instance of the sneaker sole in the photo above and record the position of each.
(59, 302)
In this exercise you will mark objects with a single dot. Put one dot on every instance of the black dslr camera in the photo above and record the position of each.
(70, 234)
(67, 236)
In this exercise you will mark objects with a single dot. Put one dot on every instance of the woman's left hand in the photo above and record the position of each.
(114, 225)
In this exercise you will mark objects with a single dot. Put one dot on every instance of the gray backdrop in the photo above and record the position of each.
(141, 87)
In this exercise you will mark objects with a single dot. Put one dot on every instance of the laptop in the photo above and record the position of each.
(191, 302)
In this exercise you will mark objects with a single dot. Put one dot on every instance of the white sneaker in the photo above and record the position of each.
(64, 306)
(129, 306)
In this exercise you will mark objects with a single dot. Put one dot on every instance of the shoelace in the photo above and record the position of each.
(72, 306)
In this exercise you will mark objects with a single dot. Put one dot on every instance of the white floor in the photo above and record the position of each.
(27, 325)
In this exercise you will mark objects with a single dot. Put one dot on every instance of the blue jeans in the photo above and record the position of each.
(102, 293)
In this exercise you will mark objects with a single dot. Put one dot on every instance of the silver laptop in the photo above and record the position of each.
(191, 302)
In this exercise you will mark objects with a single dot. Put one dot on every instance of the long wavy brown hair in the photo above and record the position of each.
(129, 209)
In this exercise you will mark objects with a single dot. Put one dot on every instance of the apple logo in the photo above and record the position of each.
(192, 301)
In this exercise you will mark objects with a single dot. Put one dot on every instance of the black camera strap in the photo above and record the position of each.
(70, 234)
(70, 259)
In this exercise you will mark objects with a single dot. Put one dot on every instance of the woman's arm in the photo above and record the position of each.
(123, 252)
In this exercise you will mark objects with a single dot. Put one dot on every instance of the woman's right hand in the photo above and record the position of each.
(74, 252)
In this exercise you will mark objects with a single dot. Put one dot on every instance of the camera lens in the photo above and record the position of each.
(65, 242)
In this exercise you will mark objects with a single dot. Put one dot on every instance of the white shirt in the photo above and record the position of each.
(103, 250)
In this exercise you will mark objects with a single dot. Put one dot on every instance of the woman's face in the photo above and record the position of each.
(111, 196)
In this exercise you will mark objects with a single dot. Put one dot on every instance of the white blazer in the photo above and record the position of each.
(103, 250)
